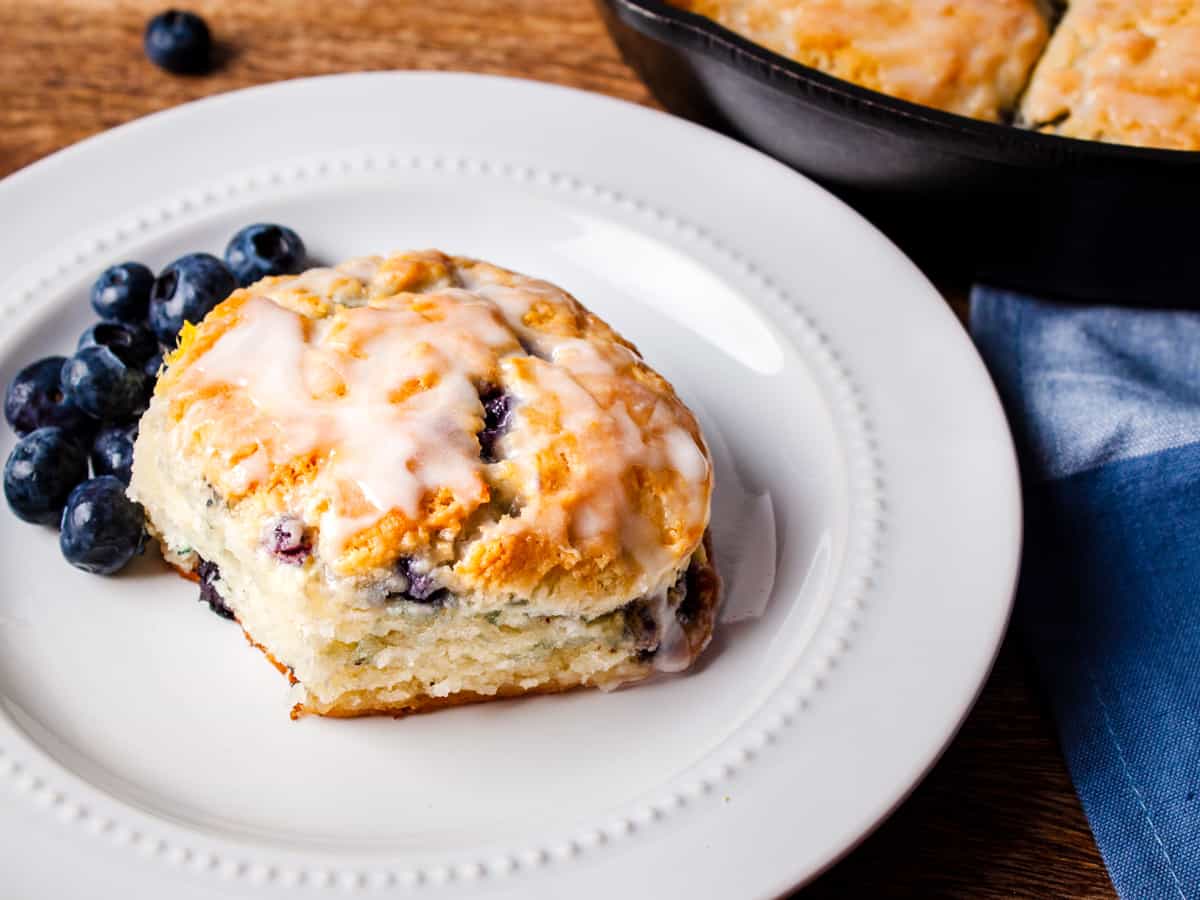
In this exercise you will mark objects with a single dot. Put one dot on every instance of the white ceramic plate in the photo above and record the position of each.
(867, 520)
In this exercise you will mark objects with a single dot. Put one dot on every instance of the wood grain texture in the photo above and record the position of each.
(997, 816)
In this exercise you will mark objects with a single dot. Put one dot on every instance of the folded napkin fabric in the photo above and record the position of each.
(1105, 407)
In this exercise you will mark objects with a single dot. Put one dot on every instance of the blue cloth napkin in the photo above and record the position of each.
(1105, 406)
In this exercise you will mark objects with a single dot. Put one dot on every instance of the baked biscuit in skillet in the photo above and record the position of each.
(1123, 71)
(971, 58)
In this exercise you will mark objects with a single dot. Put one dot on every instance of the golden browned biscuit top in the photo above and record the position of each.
(971, 58)
(354, 399)
(1125, 71)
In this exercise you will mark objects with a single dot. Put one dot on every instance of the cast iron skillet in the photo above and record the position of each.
(1061, 217)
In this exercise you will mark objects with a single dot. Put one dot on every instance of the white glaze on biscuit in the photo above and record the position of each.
(327, 384)
(323, 400)
(317, 439)
(1124, 71)
(971, 57)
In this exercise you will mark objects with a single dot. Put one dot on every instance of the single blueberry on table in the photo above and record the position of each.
(133, 344)
(102, 529)
(40, 473)
(179, 42)
(122, 292)
(497, 413)
(208, 574)
(112, 453)
(185, 291)
(264, 249)
(35, 399)
(101, 385)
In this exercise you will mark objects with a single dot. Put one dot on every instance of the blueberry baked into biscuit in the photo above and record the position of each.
(424, 480)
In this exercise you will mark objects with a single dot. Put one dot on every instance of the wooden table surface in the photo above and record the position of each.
(997, 817)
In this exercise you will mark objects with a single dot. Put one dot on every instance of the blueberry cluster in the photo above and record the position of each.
(72, 411)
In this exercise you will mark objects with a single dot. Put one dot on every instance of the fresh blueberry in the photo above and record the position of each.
(209, 573)
(178, 42)
(101, 385)
(102, 529)
(35, 399)
(40, 473)
(287, 542)
(497, 413)
(185, 291)
(421, 586)
(112, 453)
(261, 250)
(122, 292)
(133, 344)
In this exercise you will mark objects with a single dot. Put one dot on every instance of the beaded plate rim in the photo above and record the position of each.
(143, 832)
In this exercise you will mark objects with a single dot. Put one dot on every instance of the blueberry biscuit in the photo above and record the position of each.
(971, 58)
(1124, 71)
(419, 481)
